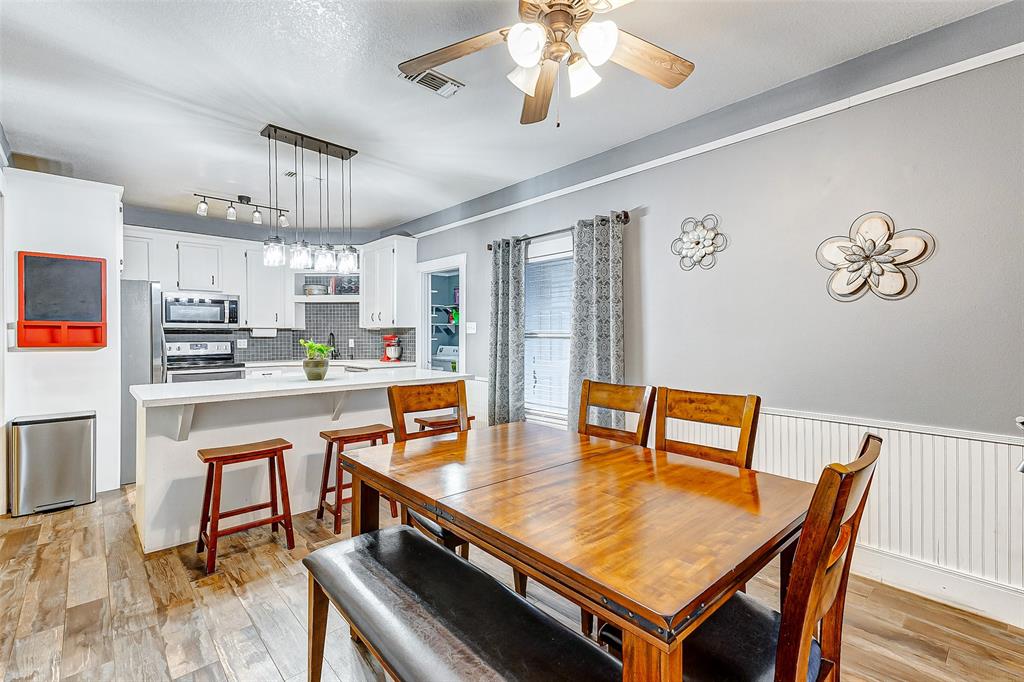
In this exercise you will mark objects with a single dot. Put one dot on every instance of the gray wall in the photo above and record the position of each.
(947, 157)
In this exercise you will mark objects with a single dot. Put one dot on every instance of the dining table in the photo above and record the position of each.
(650, 541)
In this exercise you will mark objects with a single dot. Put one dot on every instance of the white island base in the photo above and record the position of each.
(176, 420)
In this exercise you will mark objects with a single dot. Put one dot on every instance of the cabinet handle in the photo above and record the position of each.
(211, 279)
(275, 317)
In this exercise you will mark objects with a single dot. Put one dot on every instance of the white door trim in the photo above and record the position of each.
(425, 268)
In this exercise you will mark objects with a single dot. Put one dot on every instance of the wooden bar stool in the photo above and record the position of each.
(372, 434)
(215, 459)
(441, 421)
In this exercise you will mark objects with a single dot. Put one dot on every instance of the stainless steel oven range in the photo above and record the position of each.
(202, 361)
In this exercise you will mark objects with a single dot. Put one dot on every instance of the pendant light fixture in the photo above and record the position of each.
(202, 208)
(231, 213)
(300, 256)
(348, 257)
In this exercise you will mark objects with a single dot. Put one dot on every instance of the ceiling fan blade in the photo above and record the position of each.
(436, 58)
(650, 61)
(535, 109)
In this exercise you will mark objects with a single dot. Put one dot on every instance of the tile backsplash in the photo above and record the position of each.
(321, 320)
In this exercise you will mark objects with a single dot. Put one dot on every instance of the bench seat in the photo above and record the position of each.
(430, 615)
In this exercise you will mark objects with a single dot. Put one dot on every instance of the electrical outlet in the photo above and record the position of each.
(471, 327)
(242, 344)
(351, 343)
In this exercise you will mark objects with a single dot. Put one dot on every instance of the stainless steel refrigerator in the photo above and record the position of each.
(142, 357)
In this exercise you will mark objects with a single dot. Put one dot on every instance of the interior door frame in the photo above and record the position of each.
(424, 270)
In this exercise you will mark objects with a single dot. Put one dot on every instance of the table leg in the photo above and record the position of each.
(642, 661)
(785, 567)
(365, 507)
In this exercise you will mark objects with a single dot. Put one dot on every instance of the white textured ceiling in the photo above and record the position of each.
(167, 98)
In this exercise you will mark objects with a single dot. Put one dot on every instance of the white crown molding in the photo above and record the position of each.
(980, 61)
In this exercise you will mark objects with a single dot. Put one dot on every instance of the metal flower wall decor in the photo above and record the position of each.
(698, 242)
(874, 257)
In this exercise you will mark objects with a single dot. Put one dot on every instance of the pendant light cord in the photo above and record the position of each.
(270, 184)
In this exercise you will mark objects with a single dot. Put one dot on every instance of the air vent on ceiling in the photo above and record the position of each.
(435, 81)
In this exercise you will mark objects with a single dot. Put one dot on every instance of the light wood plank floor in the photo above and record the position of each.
(79, 601)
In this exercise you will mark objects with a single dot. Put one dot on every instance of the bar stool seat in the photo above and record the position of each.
(441, 421)
(372, 434)
(215, 460)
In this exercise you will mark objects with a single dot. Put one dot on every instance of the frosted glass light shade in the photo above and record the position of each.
(273, 252)
(525, 79)
(324, 259)
(257, 217)
(282, 220)
(348, 260)
(582, 77)
(300, 257)
(598, 40)
(231, 213)
(202, 208)
(526, 44)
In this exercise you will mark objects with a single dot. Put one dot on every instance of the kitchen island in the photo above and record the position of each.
(175, 420)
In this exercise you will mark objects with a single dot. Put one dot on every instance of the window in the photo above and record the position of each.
(548, 292)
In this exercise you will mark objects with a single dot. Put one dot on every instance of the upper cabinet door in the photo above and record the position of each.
(370, 263)
(385, 297)
(198, 267)
(263, 303)
(136, 258)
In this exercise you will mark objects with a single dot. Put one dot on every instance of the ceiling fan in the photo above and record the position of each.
(540, 43)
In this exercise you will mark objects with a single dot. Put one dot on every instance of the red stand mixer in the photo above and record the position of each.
(392, 348)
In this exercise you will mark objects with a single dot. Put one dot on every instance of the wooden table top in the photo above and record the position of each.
(659, 534)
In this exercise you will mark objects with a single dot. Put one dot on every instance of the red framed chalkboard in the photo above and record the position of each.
(62, 301)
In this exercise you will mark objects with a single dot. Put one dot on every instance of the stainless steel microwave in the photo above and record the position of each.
(199, 310)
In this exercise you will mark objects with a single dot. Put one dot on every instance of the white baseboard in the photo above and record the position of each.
(977, 595)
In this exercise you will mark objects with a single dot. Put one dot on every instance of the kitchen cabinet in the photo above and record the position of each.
(199, 266)
(388, 283)
(135, 258)
(264, 304)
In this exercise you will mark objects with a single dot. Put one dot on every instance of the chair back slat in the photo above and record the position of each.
(406, 400)
(636, 399)
(821, 567)
(708, 408)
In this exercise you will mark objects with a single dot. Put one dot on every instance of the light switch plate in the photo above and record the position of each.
(471, 327)
(242, 344)
(351, 343)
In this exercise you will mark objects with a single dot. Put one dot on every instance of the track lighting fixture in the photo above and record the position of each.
(231, 212)
(202, 208)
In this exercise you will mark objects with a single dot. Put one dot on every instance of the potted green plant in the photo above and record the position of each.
(316, 363)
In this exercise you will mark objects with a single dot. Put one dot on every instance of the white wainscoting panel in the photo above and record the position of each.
(945, 516)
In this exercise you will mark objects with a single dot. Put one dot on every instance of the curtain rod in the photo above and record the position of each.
(527, 238)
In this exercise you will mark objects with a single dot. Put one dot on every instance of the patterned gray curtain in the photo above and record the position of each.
(506, 387)
(595, 350)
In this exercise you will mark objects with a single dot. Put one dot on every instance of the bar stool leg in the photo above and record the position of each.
(211, 551)
(324, 480)
(272, 465)
(338, 490)
(205, 516)
(287, 508)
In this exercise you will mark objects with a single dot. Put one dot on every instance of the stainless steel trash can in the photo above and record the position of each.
(52, 462)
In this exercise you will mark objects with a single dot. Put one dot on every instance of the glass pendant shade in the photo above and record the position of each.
(202, 208)
(526, 44)
(301, 256)
(525, 79)
(231, 212)
(348, 260)
(282, 221)
(582, 77)
(324, 259)
(257, 217)
(598, 40)
(273, 252)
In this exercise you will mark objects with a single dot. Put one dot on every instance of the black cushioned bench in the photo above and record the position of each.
(427, 614)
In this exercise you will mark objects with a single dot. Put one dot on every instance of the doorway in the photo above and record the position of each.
(442, 338)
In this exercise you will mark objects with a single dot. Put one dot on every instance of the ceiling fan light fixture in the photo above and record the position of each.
(598, 40)
(582, 77)
(525, 79)
(526, 44)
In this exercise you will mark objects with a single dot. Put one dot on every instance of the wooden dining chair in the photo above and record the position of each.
(746, 640)
(638, 400)
(407, 400)
(708, 408)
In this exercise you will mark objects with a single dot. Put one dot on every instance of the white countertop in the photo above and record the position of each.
(361, 364)
(197, 392)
